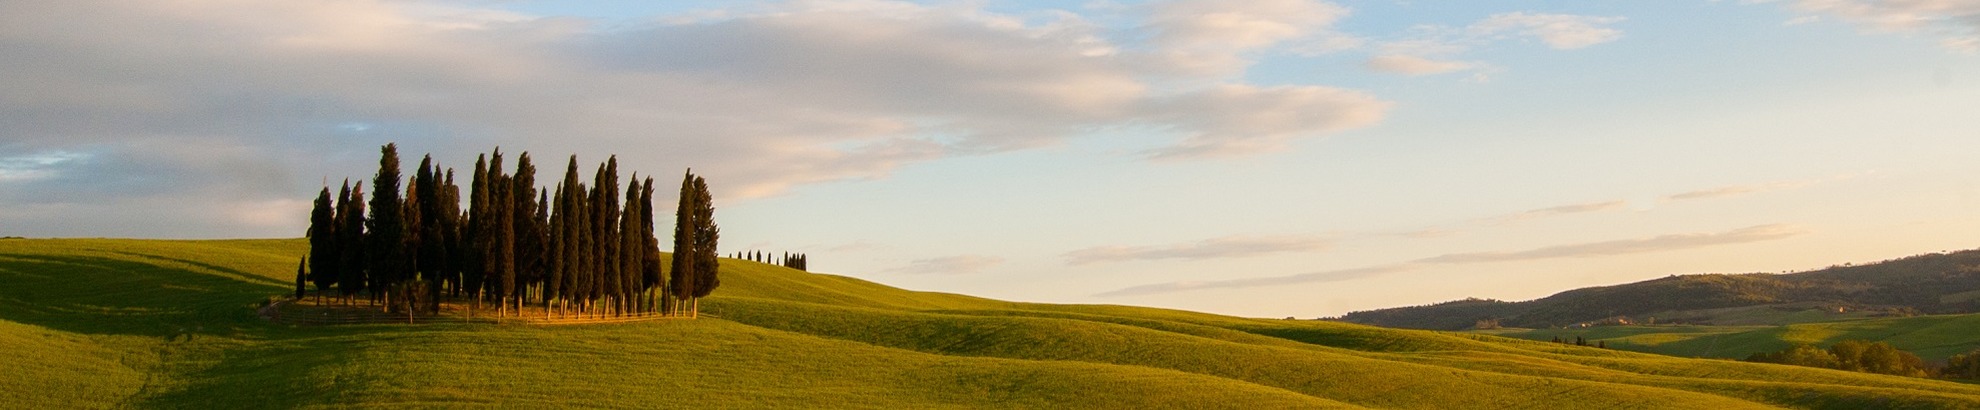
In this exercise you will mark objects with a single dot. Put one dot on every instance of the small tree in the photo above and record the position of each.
(1964, 365)
(301, 285)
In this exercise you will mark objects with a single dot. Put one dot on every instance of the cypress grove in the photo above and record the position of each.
(577, 250)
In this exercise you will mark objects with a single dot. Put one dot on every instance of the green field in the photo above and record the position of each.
(142, 323)
(1931, 337)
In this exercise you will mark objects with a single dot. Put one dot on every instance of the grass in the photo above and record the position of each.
(101, 323)
(1931, 337)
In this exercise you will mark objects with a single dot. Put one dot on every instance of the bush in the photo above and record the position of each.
(1964, 366)
(1851, 355)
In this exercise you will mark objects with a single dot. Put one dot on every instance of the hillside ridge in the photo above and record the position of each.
(1932, 283)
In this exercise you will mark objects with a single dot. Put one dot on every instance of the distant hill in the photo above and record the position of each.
(1932, 337)
(1936, 283)
(107, 323)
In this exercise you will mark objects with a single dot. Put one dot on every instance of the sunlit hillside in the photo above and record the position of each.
(145, 323)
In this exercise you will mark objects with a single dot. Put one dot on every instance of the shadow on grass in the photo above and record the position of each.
(101, 295)
(237, 273)
(294, 368)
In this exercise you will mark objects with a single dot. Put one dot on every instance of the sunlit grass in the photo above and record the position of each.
(129, 323)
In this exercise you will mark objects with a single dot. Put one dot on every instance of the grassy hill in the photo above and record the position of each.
(1938, 283)
(170, 324)
(1931, 337)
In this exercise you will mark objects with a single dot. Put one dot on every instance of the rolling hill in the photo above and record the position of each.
(100, 323)
(1931, 337)
(1936, 283)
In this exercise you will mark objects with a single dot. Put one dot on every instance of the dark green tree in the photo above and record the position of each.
(584, 278)
(553, 280)
(302, 286)
(680, 286)
(501, 240)
(706, 237)
(458, 250)
(652, 277)
(350, 233)
(605, 231)
(569, 223)
(631, 254)
(475, 243)
(385, 237)
(323, 242)
(544, 248)
(528, 245)
(428, 201)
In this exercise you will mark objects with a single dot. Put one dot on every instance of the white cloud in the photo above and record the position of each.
(1560, 31)
(1802, 20)
(1312, 277)
(1660, 243)
(1428, 49)
(1628, 246)
(1413, 65)
(757, 98)
(1956, 22)
(1234, 120)
(950, 265)
(1210, 36)
(1214, 248)
(1563, 210)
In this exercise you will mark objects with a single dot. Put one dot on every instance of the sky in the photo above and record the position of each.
(1264, 158)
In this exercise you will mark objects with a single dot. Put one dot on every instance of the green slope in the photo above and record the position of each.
(1931, 337)
(140, 323)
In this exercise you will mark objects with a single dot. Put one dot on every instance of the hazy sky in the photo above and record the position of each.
(1264, 158)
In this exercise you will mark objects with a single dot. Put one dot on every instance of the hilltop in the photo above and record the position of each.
(1936, 283)
(170, 324)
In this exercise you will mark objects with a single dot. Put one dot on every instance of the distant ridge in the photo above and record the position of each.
(1932, 283)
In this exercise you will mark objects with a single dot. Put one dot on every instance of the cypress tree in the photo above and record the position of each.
(450, 226)
(386, 227)
(680, 286)
(631, 240)
(591, 247)
(706, 237)
(553, 282)
(350, 234)
(605, 228)
(585, 277)
(474, 244)
(323, 241)
(302, 287)
(569, 216)
(502, 241)
(544, 248)
(652, 276)
(430, 259)
(527, 248)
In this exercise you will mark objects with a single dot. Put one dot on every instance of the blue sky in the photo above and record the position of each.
(1269, 158)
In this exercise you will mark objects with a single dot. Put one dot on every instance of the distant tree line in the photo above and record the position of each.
(788, 260)
(1851, 355)
(576, 249)
(1579, 341)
